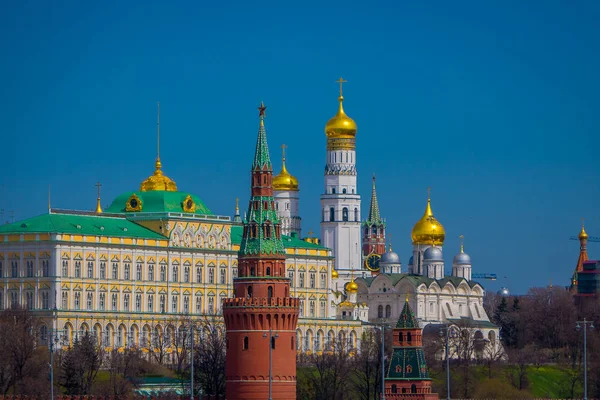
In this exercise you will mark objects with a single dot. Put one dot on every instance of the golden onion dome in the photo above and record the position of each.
(334, 274)
(158, 180)
(583, 234)
(284, 180)
(340, 126)
(428, 230)
(351, 287)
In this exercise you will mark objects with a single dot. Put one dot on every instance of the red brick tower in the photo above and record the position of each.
(407, 376)
(261, 314)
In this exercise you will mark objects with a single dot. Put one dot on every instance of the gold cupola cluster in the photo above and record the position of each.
(284, 180)
(341, 129)
(428, 230)
(158, 180)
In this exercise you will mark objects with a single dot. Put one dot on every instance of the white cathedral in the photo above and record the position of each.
(369, 281)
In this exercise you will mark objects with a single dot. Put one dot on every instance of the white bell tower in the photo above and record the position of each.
(340, 203)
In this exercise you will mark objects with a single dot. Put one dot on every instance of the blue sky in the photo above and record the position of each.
(492, 104)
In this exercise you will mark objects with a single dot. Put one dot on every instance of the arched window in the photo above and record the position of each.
(268, 271)
(380, 311)
(374, 231)
(270, 291)
(249, 291)
(344, 190)
(400, 337)
(413, 388)
(345, 214)
(409, 337)
(331, 214)
(388, 311)
(394, 389)
(252, 271)
(245, 344)
(356, 214)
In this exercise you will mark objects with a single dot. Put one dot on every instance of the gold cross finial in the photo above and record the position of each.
(237, 204)
(98, 206)
(462, 243)
(341, 81)
(310, 233)
(428, 193)
(283, 147)
(582, 222)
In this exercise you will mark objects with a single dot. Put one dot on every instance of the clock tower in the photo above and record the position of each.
(340, 203)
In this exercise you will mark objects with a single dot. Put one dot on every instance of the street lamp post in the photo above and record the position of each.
(51, 343)
(585, 324)
(271, 342)
(192, 362)
(445, 331)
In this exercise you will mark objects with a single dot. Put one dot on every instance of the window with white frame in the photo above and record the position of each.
(312, 308)
(29, 300)
(323, 280)
(30, 269)
(301, 308)
(65, 300)
(102, 301)
(90, 269)
(301, 283)
(199, 274)
(127, 271)
(126, 302)
(138, 273)
(174, 300)
(138, 302)
(312, 280)
(291, 276)
(211, 275)
(151, 272)
(186, 274)
(322, 309)
(186, 304)
(45, 300)
(65, 268)
(163, 273)
(211, 304)
(175, 276)
(77, 269)
(163, 301)
(223, 276)
(115, 271)
(115, 301)
(150, 303)
(198, 304)
(90, 301)
(102, 270)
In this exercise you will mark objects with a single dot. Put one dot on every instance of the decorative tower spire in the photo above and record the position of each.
(236, 217)
(98, 206)
(261, 293)
(373, 227)
(583, 257)
(158, 180)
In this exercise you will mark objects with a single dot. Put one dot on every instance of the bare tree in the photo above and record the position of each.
(209, 358)
(332, 373)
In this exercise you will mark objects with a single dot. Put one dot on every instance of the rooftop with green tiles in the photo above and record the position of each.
(80, 224)
(158, 201)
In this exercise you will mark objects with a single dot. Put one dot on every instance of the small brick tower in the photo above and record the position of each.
(261, 314)
(407, 376)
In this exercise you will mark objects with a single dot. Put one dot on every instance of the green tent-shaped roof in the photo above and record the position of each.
(407, 319)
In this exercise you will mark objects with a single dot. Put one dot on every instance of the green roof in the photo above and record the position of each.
(407, 363)
(288, 241)
(419, 279)
(158, 201)
(80, 225)
(470, 322)
(407, 319)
